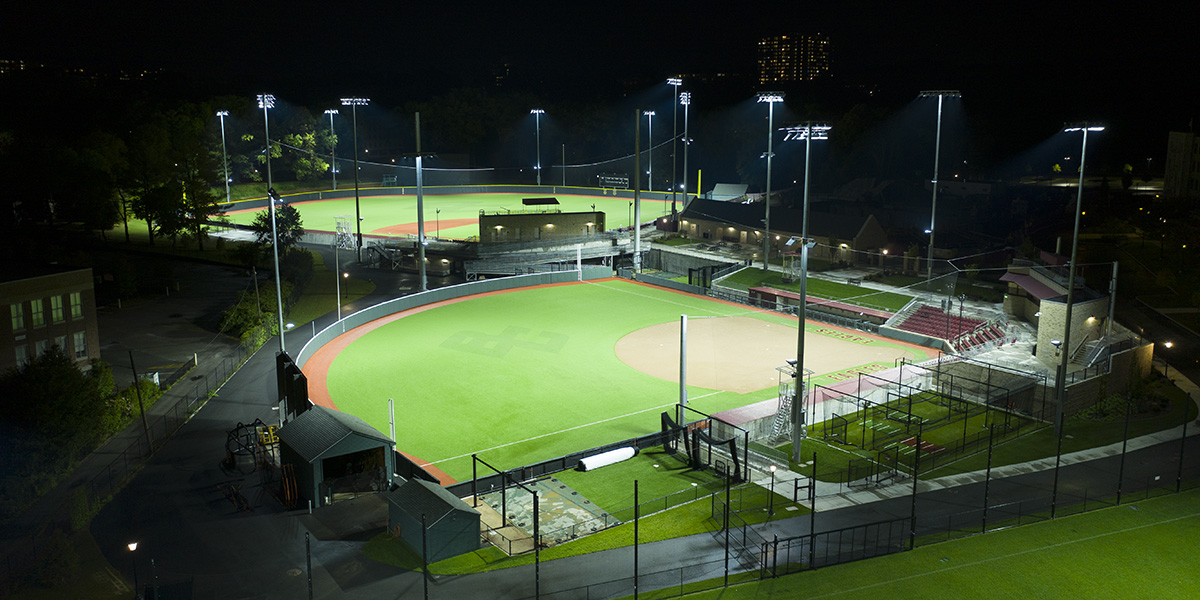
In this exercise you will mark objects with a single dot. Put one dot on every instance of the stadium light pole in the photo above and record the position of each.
(770, 98)
(675, 82)
(807, 131)
(686, 100)
(333, 146)
(537, 119)
(354, 103)
(221, 114)
(937, 147)
(1060, 384)
(649, 114)
(267, 102)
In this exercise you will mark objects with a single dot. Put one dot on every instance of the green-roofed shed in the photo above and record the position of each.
(333, 453)
(453, 526)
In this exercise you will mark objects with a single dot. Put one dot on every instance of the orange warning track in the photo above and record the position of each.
(411, 228)
(317, 366)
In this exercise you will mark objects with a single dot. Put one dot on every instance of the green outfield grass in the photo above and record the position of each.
(382, 212)
(1143, 550)
(524, 376)
(821, 288)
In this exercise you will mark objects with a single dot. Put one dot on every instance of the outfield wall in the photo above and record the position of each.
(411, 301)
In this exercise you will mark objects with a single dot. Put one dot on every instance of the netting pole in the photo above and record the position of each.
(636, 514)
(424, 556)
(912, 536)
(1182, 442)
(682, 369)
(812, 515)
(987, 477)
(1124, 444)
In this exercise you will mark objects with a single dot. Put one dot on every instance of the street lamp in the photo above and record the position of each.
(649, 114)
(1060, 382)
(807, 131)
(770, 98)
(537, 118)
(224, 158)
(937, 146)
(676, 82)
(686, 100)
(133, 561)
(438, 222)
(354, 103)
(332, 146)
(267, 102)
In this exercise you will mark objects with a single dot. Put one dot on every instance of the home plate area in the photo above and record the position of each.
(926, 447)
(565, 513)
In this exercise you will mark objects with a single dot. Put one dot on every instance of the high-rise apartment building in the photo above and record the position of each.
(790, 58)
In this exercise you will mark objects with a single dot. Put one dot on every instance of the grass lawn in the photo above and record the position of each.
(1141, 550)
(459, 212)
(318, 297)
(821, 288)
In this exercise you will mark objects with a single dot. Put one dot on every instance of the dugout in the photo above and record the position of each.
(335, 454)
(452, 526)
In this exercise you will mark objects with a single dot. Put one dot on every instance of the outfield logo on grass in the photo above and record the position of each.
(844, 335)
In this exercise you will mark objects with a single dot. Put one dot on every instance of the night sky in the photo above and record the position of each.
(1131, 64)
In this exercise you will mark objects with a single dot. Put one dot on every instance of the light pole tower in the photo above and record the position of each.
(807, 131)
(224, 157)
(686, 100)
(676, 82)
(649, 114)
(770, 98)
(333, 146)
(354, 103)
(937, 149)
(1060, 385)
(537, 118)
(267, 102)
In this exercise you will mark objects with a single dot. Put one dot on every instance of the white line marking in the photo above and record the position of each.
(555, 433)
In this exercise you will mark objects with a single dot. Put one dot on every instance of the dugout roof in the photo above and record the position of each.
(323, 432)
(419, 497)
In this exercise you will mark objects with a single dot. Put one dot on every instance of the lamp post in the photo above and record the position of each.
(267, 102)
(333, 146)
(771, 498)
(133, 562)
(807, 131)
(770, 98)
(537, 118)
(676, 82)
(649, 114)
(1060, 386)
(686, 100)
(438, 222)
(354, 103)
(937, 146)
(337, 276)
(224, 158)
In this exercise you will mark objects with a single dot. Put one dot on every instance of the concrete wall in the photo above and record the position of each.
(536, 225)
(1086, 319)
(674, 260)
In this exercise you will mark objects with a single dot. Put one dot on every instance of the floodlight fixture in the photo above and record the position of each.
(222, 113)
(685, 98)
(355, 101)
(940, 94)
(770, 96)
(1082, 126)
(675, 81)
(808, 130)
(266, 101)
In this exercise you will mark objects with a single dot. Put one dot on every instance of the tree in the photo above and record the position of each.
(288, 223)
(305, 162)
(1126, 176)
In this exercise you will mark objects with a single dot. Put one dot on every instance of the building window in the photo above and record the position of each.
(61, 342)
(76, 305)
(22, 355)
(80, 344)
(40, 346)
(56, 309)
(18, 316)
(37, 312)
